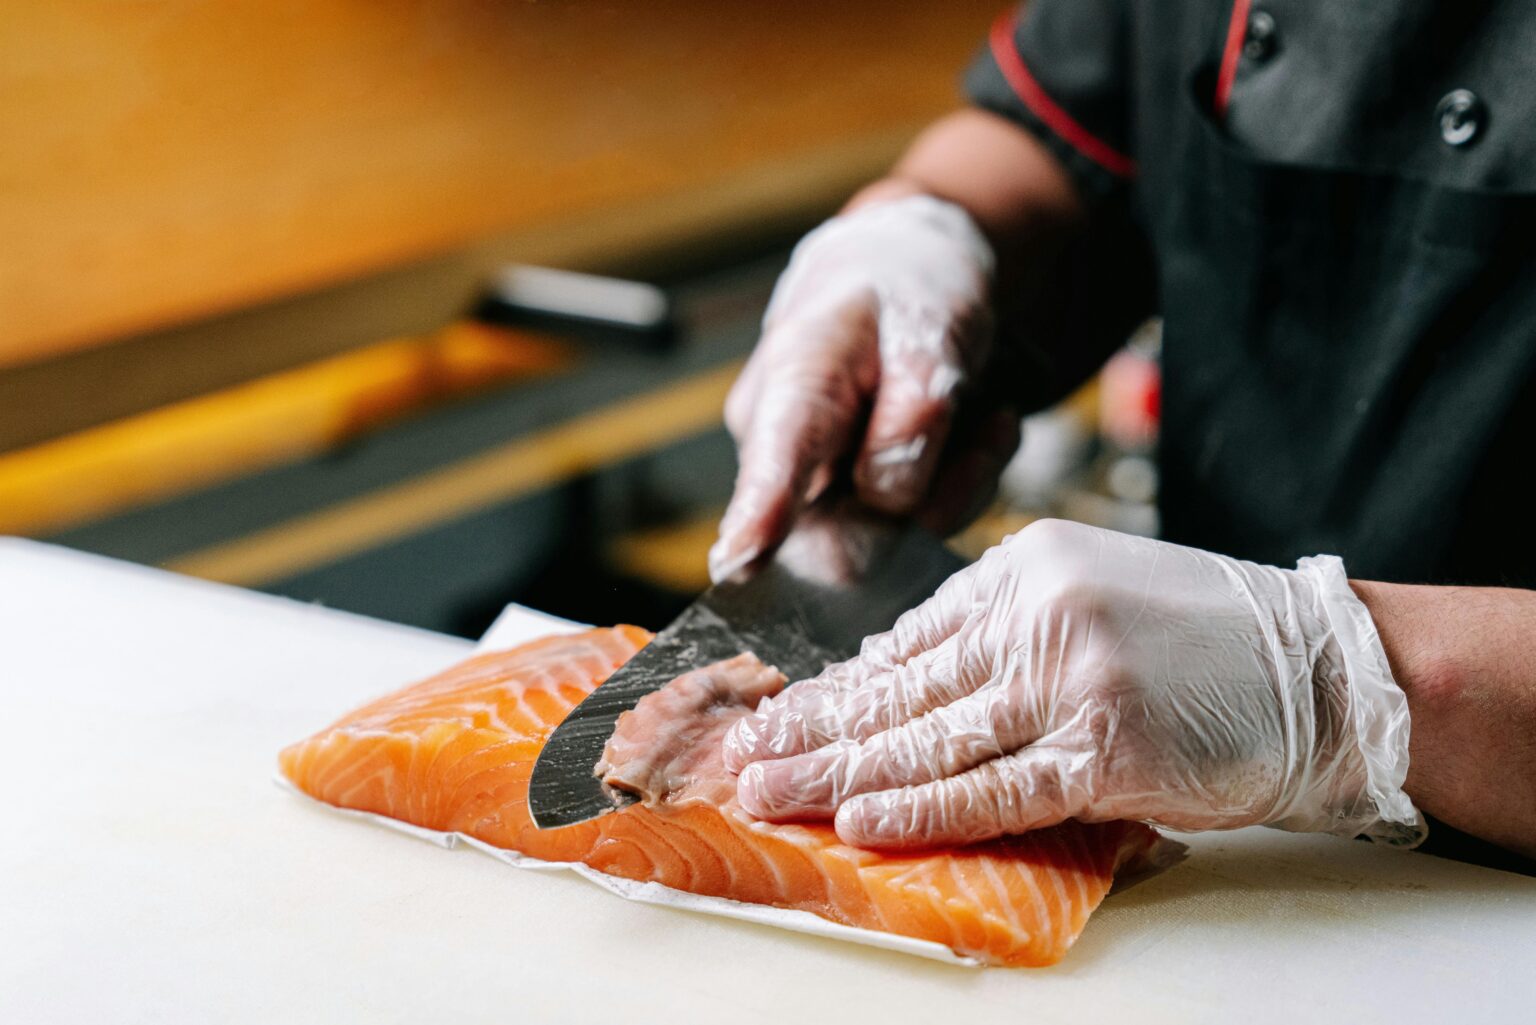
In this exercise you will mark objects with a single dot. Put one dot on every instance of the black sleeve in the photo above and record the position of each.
(1061, 69)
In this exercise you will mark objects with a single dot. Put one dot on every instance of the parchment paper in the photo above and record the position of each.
(517, 625)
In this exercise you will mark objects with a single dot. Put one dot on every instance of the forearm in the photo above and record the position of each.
(1013, 187)
(1466, 658)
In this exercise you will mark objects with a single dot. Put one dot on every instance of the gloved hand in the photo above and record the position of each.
(884, 312)
(1079, 673)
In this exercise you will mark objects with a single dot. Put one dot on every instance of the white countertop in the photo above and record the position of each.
(151, 871)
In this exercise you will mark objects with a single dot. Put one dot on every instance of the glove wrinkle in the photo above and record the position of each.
(1073, 672)
(882, 312)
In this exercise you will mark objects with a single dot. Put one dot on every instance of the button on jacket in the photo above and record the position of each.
(1338, 201)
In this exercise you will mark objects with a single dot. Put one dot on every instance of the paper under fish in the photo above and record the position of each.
(453, 753)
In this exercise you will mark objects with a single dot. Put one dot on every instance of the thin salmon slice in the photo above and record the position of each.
(454, 752)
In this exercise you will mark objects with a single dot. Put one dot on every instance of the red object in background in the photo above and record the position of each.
(1130, 399)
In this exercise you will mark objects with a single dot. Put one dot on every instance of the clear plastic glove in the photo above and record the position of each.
(1074, 672)
(883, 312)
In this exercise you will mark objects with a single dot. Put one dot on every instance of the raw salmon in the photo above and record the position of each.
(667, 749)
(454, 753)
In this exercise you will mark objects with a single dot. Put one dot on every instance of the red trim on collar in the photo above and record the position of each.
(1237, 31)
(1046, 109)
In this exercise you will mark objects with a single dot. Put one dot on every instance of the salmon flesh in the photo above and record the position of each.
(454, 752)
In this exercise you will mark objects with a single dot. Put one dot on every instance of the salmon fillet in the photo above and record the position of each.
(454, 753)
(668, 749)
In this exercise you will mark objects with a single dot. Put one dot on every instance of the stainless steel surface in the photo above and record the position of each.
(836, 581)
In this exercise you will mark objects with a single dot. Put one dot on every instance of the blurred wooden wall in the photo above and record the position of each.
(171, 161)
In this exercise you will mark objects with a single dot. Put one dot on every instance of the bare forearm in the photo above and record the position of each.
(1466, 658)
(1010, 184)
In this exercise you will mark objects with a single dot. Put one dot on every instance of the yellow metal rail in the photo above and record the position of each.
(580, 445)
(267, 422)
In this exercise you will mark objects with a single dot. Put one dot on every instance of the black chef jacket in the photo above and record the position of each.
(1339, 199)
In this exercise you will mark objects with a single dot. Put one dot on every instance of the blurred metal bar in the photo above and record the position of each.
(567, 450)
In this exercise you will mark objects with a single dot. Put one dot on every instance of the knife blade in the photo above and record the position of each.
(837, 579)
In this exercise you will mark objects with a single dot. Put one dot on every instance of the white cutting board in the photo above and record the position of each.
(150, 871)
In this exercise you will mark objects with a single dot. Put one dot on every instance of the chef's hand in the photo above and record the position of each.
(1079, 673)
(882, 313)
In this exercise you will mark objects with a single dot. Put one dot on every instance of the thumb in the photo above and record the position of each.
(1014, 794)
(800, 422)
(920, 371)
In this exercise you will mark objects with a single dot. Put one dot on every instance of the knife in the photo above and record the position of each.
(839, 577)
